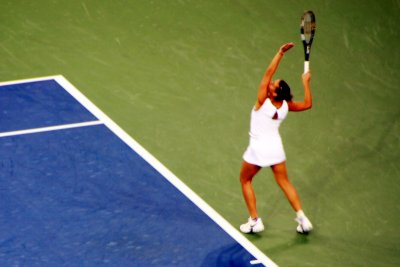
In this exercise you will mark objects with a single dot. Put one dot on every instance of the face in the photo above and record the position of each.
(273, 86)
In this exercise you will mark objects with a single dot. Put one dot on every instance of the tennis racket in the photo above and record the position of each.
(307, 32)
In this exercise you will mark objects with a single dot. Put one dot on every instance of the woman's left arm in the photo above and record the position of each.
(273, 66)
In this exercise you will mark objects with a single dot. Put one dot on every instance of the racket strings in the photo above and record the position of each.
(308, 27)
(307, 30)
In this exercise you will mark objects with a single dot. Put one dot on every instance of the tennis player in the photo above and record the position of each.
(274, 101)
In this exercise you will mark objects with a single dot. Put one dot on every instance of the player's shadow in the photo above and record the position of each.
(298, 240)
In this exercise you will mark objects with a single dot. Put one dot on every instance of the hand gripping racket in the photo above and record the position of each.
(307, 32)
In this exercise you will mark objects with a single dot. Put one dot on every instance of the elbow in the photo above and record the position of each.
(308, 105)
(309, 102)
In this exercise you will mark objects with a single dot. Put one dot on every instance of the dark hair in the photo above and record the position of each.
(283, 92)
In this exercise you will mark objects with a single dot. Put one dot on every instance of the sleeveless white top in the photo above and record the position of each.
(266, 148)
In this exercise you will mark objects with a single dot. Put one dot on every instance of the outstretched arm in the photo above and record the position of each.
(307, 102)
(273, 66)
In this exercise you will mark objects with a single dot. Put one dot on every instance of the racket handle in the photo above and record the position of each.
(306, 66)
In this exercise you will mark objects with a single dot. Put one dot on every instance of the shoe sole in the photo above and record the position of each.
(252, 231)
(303, 232)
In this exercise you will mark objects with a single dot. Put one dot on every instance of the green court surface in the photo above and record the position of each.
(181, 78)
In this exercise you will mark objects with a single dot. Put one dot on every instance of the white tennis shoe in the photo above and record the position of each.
(252, 226)
(304, 226)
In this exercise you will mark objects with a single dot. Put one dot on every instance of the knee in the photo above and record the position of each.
(245, 177)
(282, 179)
(284, 183)
(247, 172)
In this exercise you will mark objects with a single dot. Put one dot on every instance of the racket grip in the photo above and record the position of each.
(306, 66)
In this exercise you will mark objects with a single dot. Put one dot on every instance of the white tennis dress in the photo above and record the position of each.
(265, 147)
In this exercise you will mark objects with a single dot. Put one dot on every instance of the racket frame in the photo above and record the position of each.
(307, 43)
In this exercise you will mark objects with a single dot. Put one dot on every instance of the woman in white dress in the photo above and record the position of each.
(265, 149)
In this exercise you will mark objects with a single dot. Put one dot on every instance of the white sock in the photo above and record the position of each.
(300, 214)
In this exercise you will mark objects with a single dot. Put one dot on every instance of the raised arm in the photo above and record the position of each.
(307, 102)
(265, 81)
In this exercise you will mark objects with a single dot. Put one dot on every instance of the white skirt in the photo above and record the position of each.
(265, 152)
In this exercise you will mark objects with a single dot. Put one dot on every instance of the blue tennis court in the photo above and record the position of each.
(76, 190)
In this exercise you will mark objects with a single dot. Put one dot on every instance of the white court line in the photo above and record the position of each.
(254, 262)
(261, 258)
(50, 128)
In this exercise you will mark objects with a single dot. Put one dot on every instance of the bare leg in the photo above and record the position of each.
(281, 177)
(246, 177)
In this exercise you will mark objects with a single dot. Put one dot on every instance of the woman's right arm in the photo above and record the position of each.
(307, 102)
